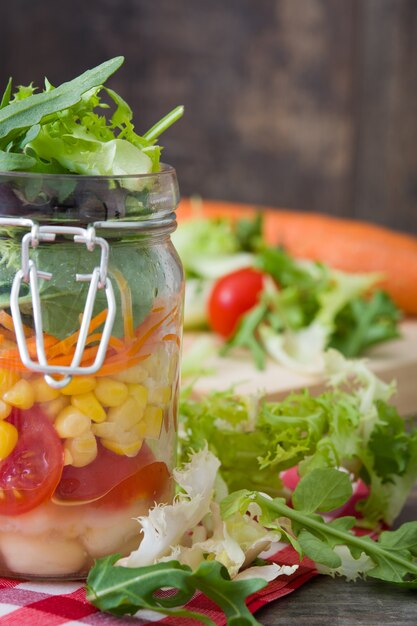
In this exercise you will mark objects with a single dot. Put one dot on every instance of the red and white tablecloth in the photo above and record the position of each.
(30, 603)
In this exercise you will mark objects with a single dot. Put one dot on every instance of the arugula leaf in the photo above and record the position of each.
(122, 591)
(392, 557)
(29, 111)
(363, 323)
(6, 95)
(324, 489)
(10, 161)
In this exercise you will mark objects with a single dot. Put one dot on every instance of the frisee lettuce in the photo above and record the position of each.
(350, 425)
(64, 129)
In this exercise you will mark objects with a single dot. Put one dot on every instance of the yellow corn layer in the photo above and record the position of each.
(153, 417)
(126, 415)
(8, 378)
(5, 410)
(128, 449)
(79, 384)
(8, 439)
(139, 393)
(110, 392)
(71, 423)
(81, 450)
(113, 432)
(120, 410)
(159, 395)
(54, 407)
(88, 404)
(42, 391)
(21, 395)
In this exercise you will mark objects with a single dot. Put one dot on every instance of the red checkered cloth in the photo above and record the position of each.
(29, 603)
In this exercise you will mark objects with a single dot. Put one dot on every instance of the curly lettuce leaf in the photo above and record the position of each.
(350, 426)
(63, 129)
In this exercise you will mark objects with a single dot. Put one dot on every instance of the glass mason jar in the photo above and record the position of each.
(91, 293)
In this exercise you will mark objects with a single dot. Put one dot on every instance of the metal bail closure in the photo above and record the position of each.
(98, 279)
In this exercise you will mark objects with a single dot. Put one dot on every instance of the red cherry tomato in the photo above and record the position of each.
(149, 483)
(231, 297)
(108, 474)
(30, 474)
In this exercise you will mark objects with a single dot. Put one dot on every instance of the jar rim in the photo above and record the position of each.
(165, 169)
(82, 200)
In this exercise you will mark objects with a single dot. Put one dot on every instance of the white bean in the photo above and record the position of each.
(123, 537)
(41, 555)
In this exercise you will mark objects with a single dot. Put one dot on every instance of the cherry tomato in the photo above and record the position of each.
(149, 483)
(231, 297)
(30, 474)
(106, 474)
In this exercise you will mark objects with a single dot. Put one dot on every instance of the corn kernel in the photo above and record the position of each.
(113, 432)
(8, 378)
(135, 374)
(5, 410)
(153, 417)
(8, 439)
(107, 430)
(126, 415)
(79, 384)
(52, 408)
(127, 449)
(20, 395)
(110, 392)
(71, 423)
(159, 395)
(140, 393)
(82, 450)
(88, 404)
(43, 392)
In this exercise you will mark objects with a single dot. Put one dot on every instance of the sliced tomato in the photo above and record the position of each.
(148, 483)
(108, 473)
(30, 474)
(233, 295)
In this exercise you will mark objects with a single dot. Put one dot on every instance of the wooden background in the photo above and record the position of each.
(309, 104)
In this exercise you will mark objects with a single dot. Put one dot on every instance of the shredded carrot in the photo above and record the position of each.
(8, 334)
(121, 354)
(114, 342)
(66, 359)
(12, 364)
(143, 338)
(172, 337)
(65, 346)
(112, 367)
(6, 320)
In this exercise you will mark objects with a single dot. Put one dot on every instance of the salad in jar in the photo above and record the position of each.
(91, 292)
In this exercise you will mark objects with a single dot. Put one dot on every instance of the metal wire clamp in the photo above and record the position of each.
(30, 275)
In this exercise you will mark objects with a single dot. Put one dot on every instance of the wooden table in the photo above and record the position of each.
(327, 602)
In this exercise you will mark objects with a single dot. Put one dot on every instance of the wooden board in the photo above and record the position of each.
(392, 360)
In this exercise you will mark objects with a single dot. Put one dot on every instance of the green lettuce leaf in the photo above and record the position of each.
(349, 426)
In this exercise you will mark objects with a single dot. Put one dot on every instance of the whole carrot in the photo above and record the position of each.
(349, 245)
